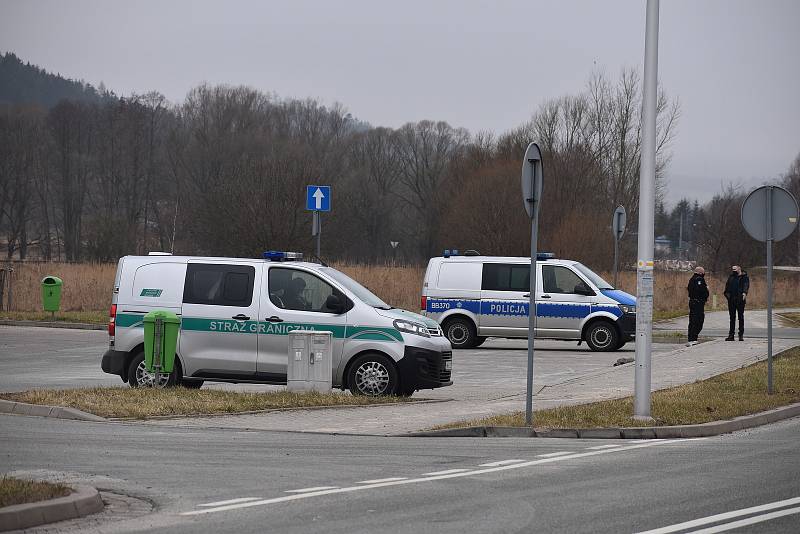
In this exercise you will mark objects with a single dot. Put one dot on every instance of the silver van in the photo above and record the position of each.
(474, 297)
(236, 314)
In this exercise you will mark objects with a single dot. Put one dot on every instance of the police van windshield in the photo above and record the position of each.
(357, 289)
(593, 277)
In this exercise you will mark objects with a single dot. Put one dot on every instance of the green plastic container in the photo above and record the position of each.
(51, 293)
(171, 325)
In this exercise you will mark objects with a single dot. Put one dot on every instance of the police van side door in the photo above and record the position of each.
(219, 323)
(563, 301)
(293, 299)
(504, 299)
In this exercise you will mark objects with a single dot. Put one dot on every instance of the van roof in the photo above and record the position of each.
(494, 259)
(185, 259)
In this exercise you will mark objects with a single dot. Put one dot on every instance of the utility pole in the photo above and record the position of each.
(647, 200)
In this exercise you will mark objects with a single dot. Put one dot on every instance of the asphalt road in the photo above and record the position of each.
(62, 358)
(244, 481)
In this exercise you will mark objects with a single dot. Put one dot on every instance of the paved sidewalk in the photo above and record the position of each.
(671, 368)
(718, 323)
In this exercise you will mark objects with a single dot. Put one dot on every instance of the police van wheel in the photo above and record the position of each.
(372, 375)
(479, 341)
(461, 333)
(602, 337)
(139, 377)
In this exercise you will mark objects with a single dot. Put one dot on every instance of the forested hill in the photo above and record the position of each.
(23, 83)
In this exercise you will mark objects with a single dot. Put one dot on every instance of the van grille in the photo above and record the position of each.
(444, 374)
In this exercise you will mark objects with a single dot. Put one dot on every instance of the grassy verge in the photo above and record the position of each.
(791, 317)
(15, 491)
(92, 317)
(144, 403)
(722, 397)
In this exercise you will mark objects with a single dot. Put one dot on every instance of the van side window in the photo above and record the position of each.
(292, 289)
(219, 285)
(506, 277)
(557, 279)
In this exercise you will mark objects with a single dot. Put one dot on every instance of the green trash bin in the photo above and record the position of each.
(51, 293)
(160, 340)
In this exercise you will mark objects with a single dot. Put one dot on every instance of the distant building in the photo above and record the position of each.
(663, 245)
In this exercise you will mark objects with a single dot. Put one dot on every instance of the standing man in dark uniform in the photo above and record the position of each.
(736, 289)
(698, 295)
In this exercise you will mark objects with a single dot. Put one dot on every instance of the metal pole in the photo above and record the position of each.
(616, 254)
(680, 239)
(769, 290)
(532, 313)
(318, 216)
(647, 174)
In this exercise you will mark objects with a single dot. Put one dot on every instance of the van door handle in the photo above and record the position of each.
(274, 319)
(241, 317)
(546, 297)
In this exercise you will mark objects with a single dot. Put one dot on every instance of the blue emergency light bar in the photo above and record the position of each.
(541, 256)
(279, 255)
(447, 253)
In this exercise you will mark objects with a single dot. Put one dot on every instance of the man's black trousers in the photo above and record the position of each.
(696, 317)
(736, 307)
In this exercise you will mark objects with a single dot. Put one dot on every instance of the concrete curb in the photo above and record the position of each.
(657, 432)
(54, 324)
(84, 500)
(41, 410)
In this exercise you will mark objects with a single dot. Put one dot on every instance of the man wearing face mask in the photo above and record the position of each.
(736, 289)
(698, 295)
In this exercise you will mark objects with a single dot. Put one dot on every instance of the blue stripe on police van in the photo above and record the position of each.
(620, 296)
(520, 309)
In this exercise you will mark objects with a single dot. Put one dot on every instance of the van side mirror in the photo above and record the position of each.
(334, 303)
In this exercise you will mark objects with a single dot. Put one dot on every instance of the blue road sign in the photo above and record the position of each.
(318, 197)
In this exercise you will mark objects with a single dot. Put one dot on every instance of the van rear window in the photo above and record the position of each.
(506, 277)
(459, 275)
(219, 285)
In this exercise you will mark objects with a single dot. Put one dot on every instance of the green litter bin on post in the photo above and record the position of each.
(160, 340)
(51, 293)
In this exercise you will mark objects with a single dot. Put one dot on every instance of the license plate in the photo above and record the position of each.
(448, 365)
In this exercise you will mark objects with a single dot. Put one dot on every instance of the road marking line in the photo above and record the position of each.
(722, 517)
(475, 472)
(230, 501)
(598, 447)
(317, 488)
(501, 462)
(748, 521)
(448, 472)
(553, 454)
(382, 480)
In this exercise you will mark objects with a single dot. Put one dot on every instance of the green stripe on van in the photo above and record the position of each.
(225, 326)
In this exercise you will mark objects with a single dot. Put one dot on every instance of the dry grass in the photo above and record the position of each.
(144, 403)
(87, 287)
(16, 491)
(722, 397)
(90, 317)
(792, 317)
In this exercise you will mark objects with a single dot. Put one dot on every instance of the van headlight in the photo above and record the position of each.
(627, 309)
(411, 327)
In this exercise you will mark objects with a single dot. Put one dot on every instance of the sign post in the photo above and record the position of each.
(769, 213)
(318, 199)
(618, 228)
(532, 177)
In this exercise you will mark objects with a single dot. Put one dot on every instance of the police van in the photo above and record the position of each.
(474, 297)
(236, 315)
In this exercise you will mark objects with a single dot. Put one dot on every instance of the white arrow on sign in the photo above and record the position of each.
(318, 196)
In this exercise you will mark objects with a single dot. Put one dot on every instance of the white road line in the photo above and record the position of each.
(722, 517)
(553, 454)
(749, 521)
(598, 447)
(230, 501)
(448, 472)
(306, 490)
(501, 462)
(382, 480)
(475, 472)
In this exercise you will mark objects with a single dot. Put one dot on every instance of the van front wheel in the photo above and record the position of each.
(461, 333)
(602, 337)
(372, 375)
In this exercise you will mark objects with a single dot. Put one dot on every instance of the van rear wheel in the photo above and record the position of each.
(461, 333)
(602, 336)
(373, 375)
(140, 377)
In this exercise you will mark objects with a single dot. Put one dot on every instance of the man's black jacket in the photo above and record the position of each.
(698, 290)
(736, 285)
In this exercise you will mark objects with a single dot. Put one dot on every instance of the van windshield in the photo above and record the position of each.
(595, 278)
(363, 294)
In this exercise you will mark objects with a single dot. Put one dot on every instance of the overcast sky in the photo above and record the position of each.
(480, 65)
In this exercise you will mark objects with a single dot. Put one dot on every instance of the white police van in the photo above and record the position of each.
(236, 315)
(474, 297)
